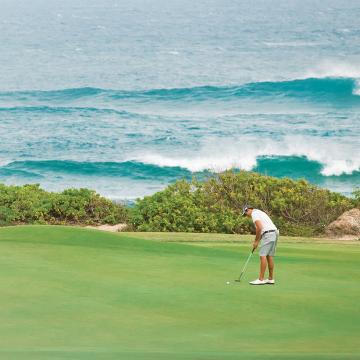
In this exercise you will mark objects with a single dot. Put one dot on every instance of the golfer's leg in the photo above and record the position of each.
(270, 261)
(262, 267)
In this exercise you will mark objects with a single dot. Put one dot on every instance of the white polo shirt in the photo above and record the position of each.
(266, 222)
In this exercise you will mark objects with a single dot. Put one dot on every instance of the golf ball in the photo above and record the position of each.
(228, 283)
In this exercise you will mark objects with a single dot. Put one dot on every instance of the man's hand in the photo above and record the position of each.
(255, 245)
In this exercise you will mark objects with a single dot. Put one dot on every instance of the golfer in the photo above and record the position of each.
(267, 232)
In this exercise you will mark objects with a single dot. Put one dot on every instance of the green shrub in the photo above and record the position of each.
(215, 205)
(29, 204)
(356, 194)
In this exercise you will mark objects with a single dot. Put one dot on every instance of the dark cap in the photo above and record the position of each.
(245, 209)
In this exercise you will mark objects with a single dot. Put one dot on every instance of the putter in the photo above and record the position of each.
(244, 267)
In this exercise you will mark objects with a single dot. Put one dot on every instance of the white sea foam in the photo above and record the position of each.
(4, 162)
(292, 44)
(219, 155)
(330, 68)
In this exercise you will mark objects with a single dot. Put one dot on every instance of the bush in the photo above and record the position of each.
(29, 204)
(215, 205)
(356, 194)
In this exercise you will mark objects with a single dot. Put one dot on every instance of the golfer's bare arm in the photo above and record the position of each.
(258, 227)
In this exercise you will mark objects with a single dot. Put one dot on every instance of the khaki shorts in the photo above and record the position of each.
(268, 244)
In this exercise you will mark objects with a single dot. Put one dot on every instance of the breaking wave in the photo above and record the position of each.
(166, 169)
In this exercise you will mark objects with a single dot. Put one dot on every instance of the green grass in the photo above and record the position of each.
(71, 293)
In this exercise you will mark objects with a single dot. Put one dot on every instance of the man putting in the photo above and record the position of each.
(267, 232)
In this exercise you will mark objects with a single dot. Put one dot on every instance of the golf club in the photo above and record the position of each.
(244, 267)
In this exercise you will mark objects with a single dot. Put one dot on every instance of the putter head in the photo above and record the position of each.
(237, 280)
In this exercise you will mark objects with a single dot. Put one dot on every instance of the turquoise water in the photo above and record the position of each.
(127, 97)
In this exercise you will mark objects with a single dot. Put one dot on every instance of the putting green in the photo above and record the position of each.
(70, 293)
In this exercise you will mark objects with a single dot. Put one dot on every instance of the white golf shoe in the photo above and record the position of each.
(270, 282)
(257, 282)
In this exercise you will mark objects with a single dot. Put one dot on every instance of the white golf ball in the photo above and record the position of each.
(228, 283)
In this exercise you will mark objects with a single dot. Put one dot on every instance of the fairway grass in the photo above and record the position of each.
(72, 293)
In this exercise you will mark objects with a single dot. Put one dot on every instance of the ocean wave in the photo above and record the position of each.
(335, 158)
(131, 179)
(163, 170)
(61, 94)
(130, 169)
(7, 172)
(68, 110)
(333, 69)
(300, 167)
(333, 89)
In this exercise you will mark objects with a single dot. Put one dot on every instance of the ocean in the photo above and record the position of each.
(126, 97)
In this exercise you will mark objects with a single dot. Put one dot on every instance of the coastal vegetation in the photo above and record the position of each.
(29, 204)
(213, 205)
